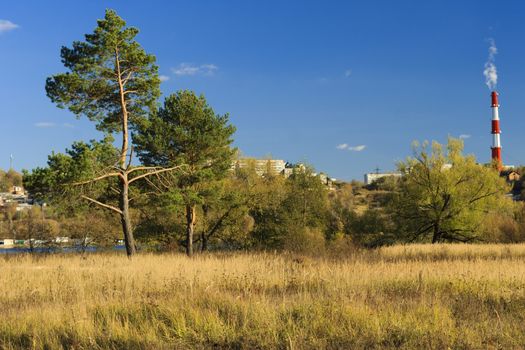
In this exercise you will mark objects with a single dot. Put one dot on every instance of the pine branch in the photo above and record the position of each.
(107, 206)
(97, 179)
(160, 171)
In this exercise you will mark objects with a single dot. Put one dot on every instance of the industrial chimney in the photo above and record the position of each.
(496, 143)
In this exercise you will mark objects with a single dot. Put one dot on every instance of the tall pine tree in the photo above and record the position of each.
(113, 82)
(186, 132)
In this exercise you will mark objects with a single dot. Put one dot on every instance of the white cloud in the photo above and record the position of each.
(464, 136)
(208, 69)
(7, 26)
(345, 146)
(164, 78)
(185, 69)
(47, 125)
(357, 148)
(44, 125)
(348, 73)
(191, 69)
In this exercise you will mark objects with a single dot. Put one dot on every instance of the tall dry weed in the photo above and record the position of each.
(412, 297)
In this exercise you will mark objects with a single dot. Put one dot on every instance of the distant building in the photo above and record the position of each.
(327, 181)
(510, 175)
(17, 197)
(60, 240)
(261, 166)
(371, 177)
(278, 167)
(290, 168)
(287, 172)
(18, 190)
(7, 242)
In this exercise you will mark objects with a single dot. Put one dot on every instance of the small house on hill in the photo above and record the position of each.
(510, 175)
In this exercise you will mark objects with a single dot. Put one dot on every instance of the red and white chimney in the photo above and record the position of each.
(496, 142)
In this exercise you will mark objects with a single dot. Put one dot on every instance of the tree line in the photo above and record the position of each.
(171, 185)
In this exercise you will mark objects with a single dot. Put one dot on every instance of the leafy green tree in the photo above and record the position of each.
(160, 222)
(225, 215)
(305, 212)
(112, 81)
(307, 199)
(266, 196)
(79, 219)
(187, 133)
(83, 160)
(445, 195)
(288, 212)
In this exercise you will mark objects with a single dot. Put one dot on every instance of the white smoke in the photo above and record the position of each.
(490, 72)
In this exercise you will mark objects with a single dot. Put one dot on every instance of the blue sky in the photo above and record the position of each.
(299, 78)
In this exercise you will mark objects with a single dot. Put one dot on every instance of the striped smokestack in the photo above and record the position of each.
(496, 142)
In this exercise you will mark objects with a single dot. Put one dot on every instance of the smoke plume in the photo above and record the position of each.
(490, 72)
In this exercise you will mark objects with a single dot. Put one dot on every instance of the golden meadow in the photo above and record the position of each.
(411, 297)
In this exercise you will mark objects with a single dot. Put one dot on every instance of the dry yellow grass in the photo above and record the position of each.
(439, 297)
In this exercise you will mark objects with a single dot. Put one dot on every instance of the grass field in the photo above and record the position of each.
(413, 297)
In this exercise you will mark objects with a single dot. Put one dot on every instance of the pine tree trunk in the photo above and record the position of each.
(124, 181)
(190, 227)
(124, 217)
